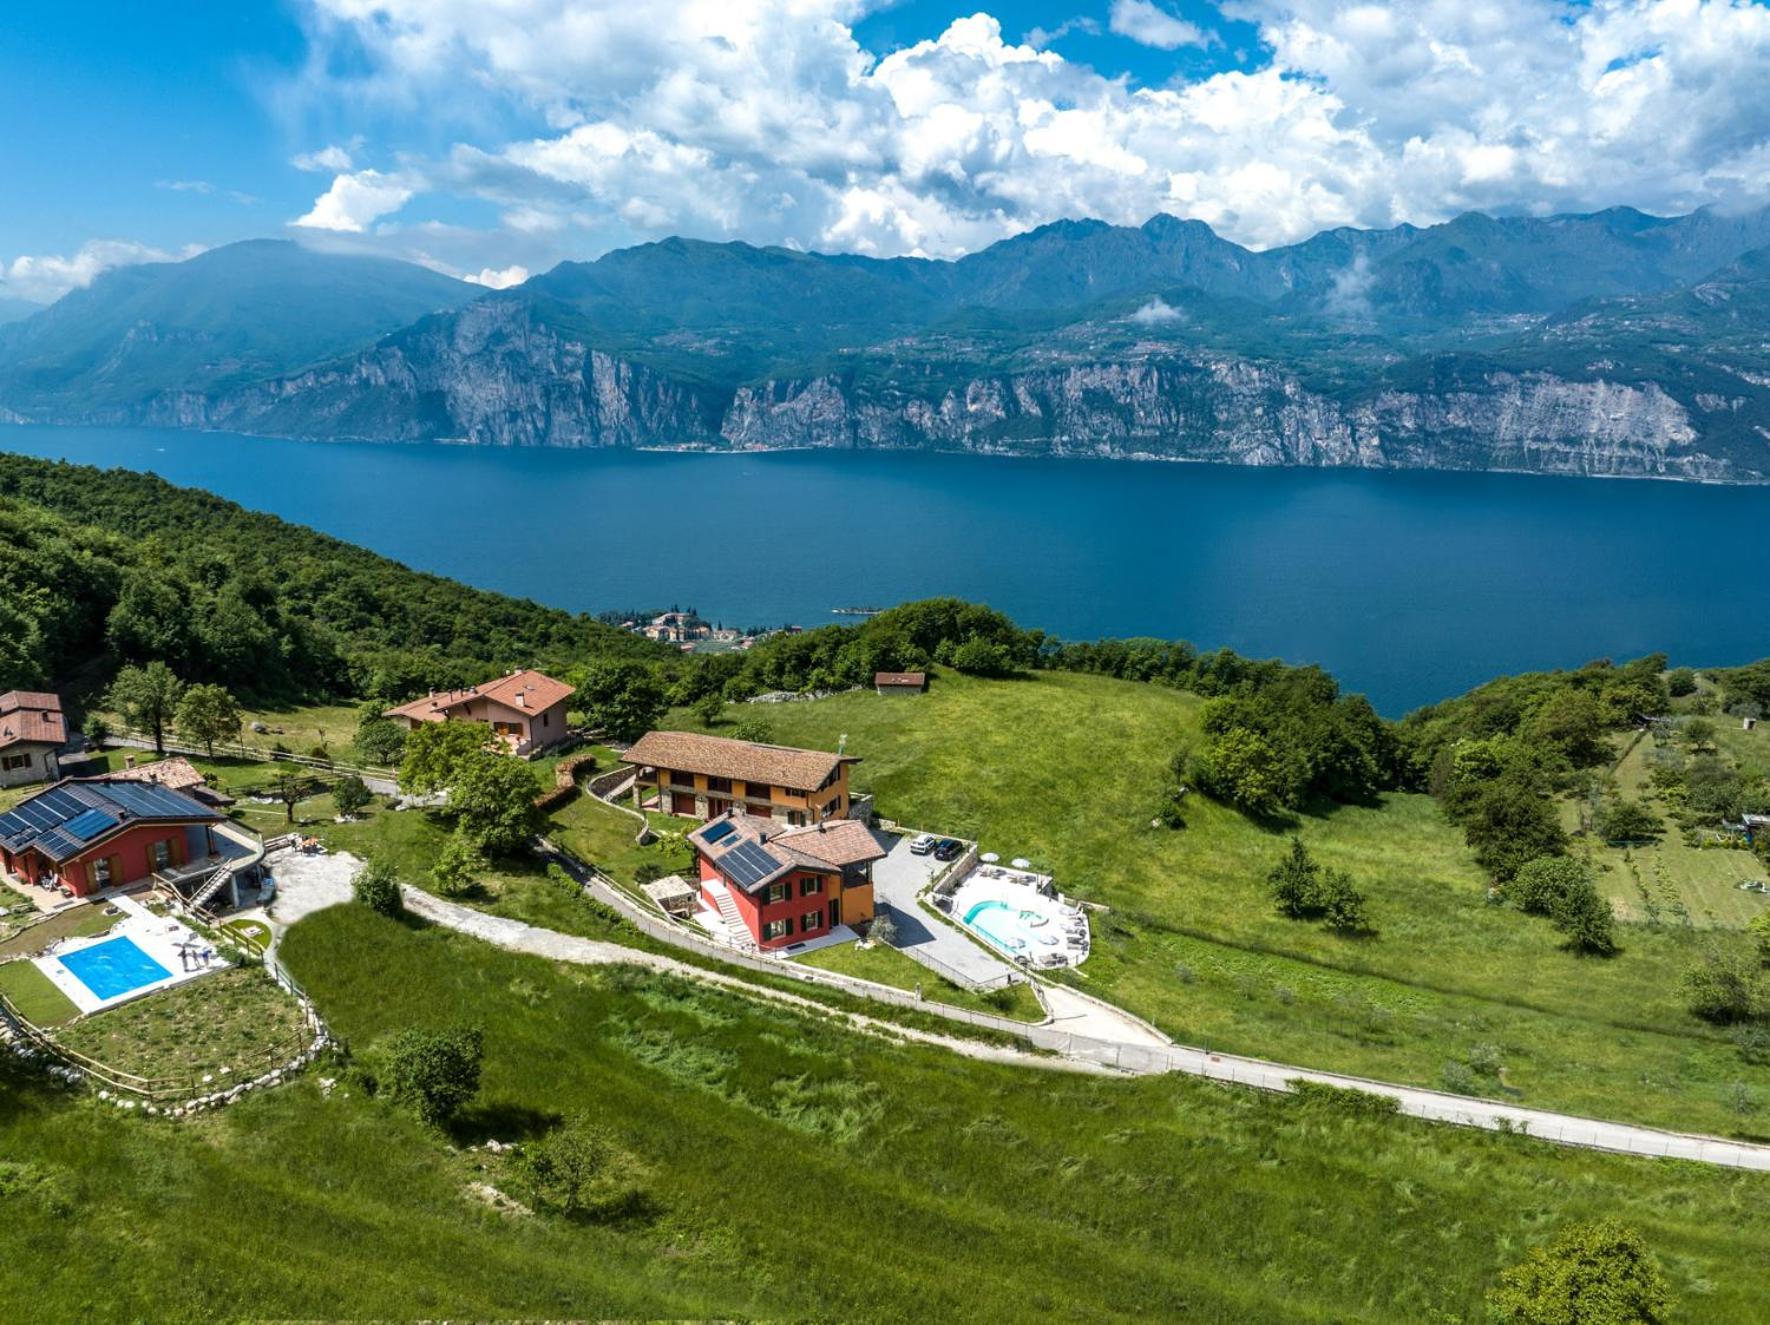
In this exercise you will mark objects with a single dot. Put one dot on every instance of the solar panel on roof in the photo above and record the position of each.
(84, 827)
(748, 864)
(718, 832)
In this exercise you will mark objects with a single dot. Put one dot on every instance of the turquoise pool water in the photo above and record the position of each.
(113, 968)
(1008, 927)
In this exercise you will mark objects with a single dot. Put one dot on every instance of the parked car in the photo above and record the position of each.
(922, 845)
(948, 850)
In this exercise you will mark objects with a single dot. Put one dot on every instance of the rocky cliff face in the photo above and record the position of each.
(495, 375)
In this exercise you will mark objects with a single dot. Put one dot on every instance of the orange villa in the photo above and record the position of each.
(702, 777)
(525, 709)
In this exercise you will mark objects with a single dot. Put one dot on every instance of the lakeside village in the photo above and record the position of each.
(130, 877)
(692, 633)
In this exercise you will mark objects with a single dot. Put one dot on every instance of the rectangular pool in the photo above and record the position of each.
(113, 968)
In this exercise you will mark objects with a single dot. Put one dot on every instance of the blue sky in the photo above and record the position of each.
(492, 138)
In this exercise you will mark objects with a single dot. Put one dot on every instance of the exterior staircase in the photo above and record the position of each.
(734, 923)
(211, 886)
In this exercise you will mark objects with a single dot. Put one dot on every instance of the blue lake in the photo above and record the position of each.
(1407, 586)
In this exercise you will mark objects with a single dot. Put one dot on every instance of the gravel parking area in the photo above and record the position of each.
(306, 884)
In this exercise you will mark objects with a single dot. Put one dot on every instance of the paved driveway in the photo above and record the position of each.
(896, 881)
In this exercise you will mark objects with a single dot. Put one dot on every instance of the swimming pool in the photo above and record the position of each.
(1022, 916)
(114, 968)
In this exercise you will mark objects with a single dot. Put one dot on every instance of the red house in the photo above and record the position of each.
(774, 887)
(82, 836)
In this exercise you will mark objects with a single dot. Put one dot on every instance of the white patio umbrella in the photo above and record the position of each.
(1021, 863)
(989, 858)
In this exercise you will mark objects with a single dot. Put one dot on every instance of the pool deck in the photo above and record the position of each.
(157, 936)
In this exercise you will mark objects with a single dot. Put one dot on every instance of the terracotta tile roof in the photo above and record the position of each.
(175, 772)
(31, 715)
(720, 757)
(832, 842)
(527, 690)
(900, 678)
(825, 848)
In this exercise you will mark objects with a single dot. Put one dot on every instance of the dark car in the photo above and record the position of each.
(948, 850)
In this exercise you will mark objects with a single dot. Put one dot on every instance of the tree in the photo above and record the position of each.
(1591, 1274)
(1541, 883)
(754, 728)
(151, 620)
(1295, 881)
(1572, 722)
(1584, 915)
(147, 697)
(1510, 821)
(436, 752)
(1621, 820)
(1680, 681)
(377, 887)
(350, 795)
(1699, 733)
(207, 714)
(710, 707)
(1759, 929)
(435, 1072)
(580, 1171)
(981, 657)
(458, 866)
(1724, 986)
(380, 742)
(1241, 768)
(1305, 891)
(625, 698)
(493, 801)
(290, 788)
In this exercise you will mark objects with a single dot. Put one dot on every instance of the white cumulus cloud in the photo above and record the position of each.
(1146, 22)
(1158, 312)
(500, 279)
(765, 120)
(331, 159)
(45, 278)
(355, 200)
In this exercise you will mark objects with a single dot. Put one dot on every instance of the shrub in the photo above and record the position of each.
(1627, 821)
(434, 1072)
(710, 707)
(493, 801)
(458, 866)
(377, 888)
(1343, 1099)
(1680, 681)
(1541, 882)
(581, 1172)
(351, 795)
(1723, 987)
(1591, 1274)
(1305, 891)
(754, 728)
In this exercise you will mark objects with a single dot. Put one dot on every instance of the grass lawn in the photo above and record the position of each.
(75, 922)
(37, 1000)
(1668, 882)
(598, 833)
(235, 1023)
(887, 966)
(1004, 1194)
(1068, 770)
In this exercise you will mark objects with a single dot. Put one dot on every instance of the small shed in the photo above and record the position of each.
(675, 895)
(900, 683)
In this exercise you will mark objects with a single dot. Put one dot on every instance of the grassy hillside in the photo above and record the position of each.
(1069, 770)
(795, 1172)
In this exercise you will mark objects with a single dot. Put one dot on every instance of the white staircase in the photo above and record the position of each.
(211, 886)
(734, 922)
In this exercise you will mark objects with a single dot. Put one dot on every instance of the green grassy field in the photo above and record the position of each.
(38, 1001)
(236, 1022)
(798, 1172)
(1068, 770)
(1669, 882)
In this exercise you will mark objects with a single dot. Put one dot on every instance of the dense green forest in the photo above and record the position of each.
(110, 567)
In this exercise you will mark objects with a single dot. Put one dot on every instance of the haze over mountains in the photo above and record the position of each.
(1615, 343)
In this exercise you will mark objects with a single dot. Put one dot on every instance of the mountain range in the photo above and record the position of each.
(1615, 343)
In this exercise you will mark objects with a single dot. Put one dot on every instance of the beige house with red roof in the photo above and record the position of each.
(525, 709)
(702, 777)
(32, 729)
